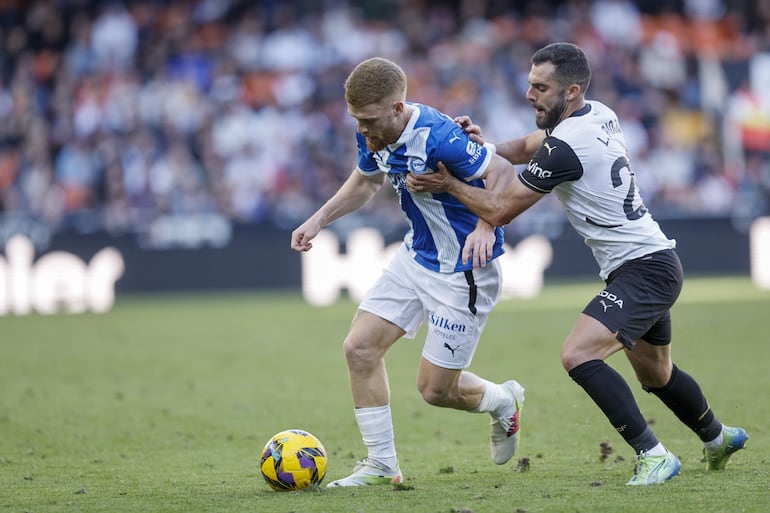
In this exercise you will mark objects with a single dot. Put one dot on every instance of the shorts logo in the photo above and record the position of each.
(446, 345)
(447, 329)
(611, 298)
(446, 324)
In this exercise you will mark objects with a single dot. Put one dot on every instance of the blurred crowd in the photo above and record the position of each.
(118, 114)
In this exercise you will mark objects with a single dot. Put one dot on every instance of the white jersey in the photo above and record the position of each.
(583, 160)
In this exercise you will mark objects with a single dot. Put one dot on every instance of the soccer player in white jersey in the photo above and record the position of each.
(579, 154)
(445, 272)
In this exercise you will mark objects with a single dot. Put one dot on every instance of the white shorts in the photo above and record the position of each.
(455, 306)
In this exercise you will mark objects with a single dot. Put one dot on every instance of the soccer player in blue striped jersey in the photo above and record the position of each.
(445, 274)
(579, 154)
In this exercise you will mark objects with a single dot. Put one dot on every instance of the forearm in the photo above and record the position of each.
(512, 150)
(352, 195)
(520, 151)
(482, 202)
(504, 198)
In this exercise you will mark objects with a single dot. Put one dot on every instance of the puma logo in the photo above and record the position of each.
(605, 305)
(549, 148)
(453, 138)
(451, 348)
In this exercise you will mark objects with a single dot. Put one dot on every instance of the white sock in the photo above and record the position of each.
(376, 426)
(495, 399)
(716, 443)
(658, 450)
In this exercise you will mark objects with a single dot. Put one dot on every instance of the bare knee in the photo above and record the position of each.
(359, 355)
(571, 357)
(435, 396)
(588, 340)
(435, 392)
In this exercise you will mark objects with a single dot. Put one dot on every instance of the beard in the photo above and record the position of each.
(551, 116)
(387, 136)
(375, 145)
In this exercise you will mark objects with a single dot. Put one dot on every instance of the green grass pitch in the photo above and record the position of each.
(164, 404)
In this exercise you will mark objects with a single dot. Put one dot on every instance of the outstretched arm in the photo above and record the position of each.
(504, 198)
(351, 196)
(515, 151)
(520, 151)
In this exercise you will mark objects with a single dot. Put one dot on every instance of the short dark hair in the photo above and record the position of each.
(570, 62)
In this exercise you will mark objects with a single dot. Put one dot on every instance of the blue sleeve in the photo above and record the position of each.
(366, 162)
(463, 157)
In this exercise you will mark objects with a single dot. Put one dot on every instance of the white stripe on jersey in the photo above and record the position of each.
(444, 236)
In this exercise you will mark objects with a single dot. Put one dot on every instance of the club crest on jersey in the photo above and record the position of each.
(612, 298)
(416, 165)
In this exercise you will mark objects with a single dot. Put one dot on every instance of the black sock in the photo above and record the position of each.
(613, 396)
(684, 397)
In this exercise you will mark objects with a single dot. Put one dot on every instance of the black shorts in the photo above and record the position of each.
(637, 300)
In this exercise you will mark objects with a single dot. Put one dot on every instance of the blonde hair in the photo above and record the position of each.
(374, 80)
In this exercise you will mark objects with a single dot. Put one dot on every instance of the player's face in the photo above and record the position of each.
(546, 95)
(379, 123)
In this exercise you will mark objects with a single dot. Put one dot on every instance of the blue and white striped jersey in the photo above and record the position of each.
(439, 223)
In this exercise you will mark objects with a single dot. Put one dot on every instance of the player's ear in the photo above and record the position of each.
(573, 92)
(398, 107)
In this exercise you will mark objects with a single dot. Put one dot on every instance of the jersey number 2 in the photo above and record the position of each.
(628, 204)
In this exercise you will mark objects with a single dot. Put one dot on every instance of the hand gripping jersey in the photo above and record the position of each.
(583, 160)
(439, 224)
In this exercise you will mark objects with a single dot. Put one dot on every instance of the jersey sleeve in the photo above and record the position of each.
(553, 163)
(464, 157)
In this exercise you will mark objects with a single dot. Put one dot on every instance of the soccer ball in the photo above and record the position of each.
(293, 460)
